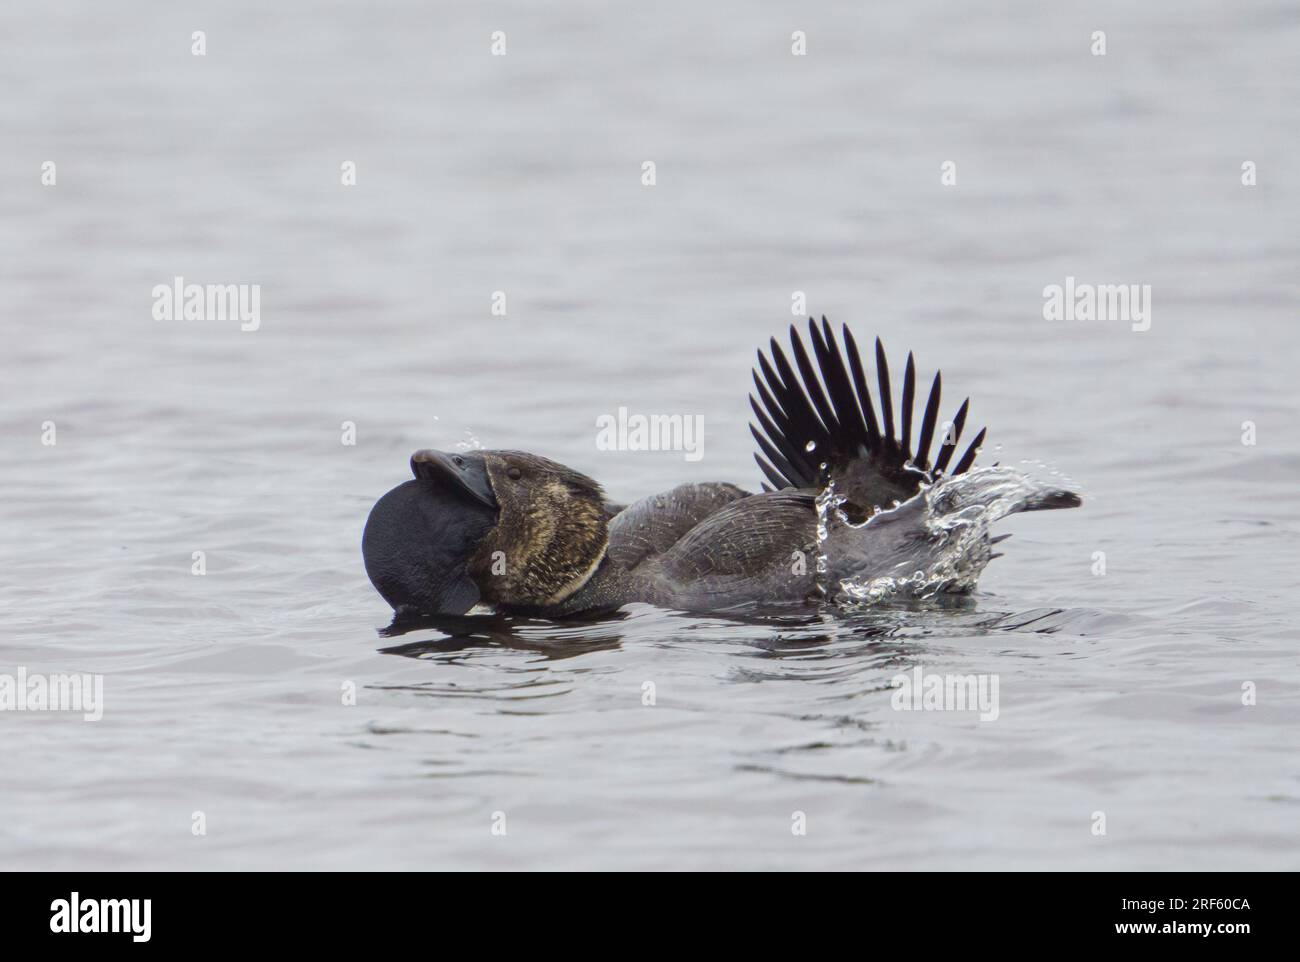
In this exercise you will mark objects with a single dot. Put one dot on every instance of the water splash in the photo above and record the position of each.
(828, 511)
(936, 542)
(470, 442)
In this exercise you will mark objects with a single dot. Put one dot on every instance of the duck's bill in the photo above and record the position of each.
(463, 473)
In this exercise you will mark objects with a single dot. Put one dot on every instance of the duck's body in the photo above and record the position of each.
(705, 547)
(850, 503)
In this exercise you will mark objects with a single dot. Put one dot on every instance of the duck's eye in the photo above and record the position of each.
(514, 474)
(460, 462)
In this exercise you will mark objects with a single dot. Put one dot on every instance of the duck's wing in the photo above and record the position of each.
(762, 548)
(651, 526)
(816, 430)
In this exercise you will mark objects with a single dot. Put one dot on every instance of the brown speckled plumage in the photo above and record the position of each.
(551, 534)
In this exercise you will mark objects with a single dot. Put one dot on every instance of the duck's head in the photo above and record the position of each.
(497, 527)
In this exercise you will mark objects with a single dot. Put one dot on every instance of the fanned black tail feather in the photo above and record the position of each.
(813, 430)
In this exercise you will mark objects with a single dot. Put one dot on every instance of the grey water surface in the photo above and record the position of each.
(1121, 694)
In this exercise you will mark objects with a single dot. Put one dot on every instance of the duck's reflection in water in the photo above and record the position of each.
(798, 632)
(551, 639)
